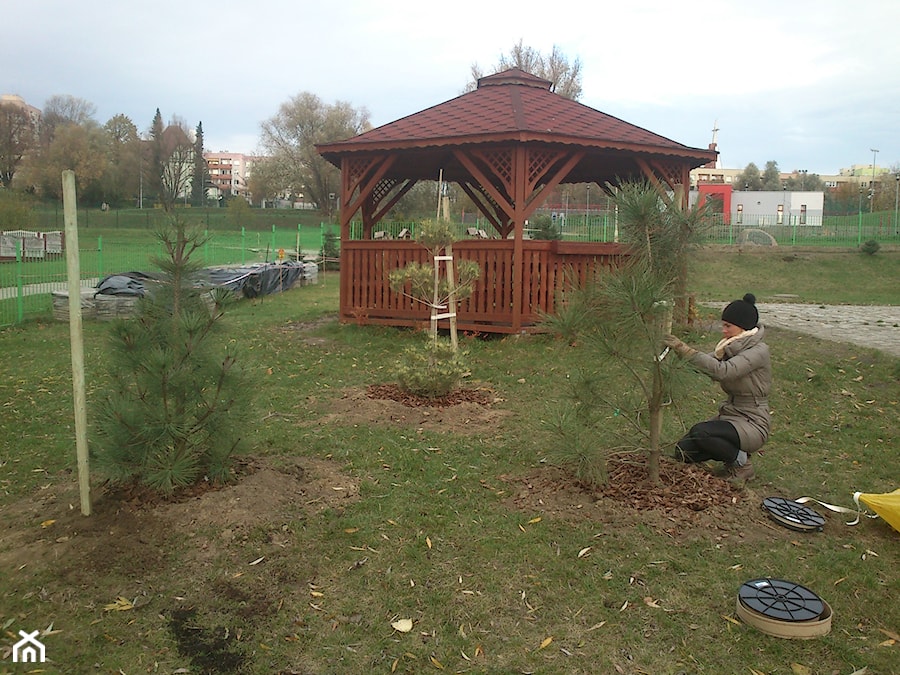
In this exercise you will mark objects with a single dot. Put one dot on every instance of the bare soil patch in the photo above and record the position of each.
(468, 411)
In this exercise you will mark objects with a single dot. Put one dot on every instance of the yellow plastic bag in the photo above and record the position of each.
(886, 505)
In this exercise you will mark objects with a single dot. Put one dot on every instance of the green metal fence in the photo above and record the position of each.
(115, 242)
(832, 231)
(28, 282)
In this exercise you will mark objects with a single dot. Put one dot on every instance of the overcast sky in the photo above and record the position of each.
(811, 84)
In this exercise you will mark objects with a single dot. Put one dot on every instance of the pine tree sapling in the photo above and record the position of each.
(436, 369)
(433, 369)
(174, 411)
(428, 284)
(621, 318)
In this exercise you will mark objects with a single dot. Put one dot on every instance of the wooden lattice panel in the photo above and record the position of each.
(501, 163)
(539, 162)
(669, 172)
(356, 169)
(383, 189)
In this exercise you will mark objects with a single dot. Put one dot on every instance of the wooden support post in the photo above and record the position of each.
(76, 338)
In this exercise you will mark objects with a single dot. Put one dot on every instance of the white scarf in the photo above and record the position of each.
(724, 342)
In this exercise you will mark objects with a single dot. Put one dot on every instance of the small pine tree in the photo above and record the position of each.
(437, 368)
(621, 318)
(173, 414)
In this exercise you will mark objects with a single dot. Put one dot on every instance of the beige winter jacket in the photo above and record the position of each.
(745, 374)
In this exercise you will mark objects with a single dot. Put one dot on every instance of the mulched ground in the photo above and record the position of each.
(689, 486)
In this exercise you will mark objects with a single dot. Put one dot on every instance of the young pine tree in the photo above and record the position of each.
(620, 319)
(174, 412)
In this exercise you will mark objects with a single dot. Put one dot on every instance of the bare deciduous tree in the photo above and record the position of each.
(565, 77)
(290, 137)
(17, 136)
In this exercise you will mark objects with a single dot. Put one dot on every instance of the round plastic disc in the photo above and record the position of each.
(793, 515)
(781, 600)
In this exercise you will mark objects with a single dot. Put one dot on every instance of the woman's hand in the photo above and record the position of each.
(680, 348)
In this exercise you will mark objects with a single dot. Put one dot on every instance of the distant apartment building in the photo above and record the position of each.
(229, 173)
(859, 175)
(19, 102)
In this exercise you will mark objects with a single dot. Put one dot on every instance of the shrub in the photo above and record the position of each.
(870, 247)
(433, 369)
(543, 227)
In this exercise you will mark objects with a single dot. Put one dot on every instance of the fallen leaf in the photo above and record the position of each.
(120, 605)
(887, 643)
(842, 579)
(596, 626)
(437, 664)
(534, 520)
(351, 530)
(583, 552)
(428, 541)
(546, 642)
(734, 621)
(800, 669)
(47, 523)
(891, 634)
(258, 560)
(402, 625)
(650, 602)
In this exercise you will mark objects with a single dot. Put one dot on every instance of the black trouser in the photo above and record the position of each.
(713, 439)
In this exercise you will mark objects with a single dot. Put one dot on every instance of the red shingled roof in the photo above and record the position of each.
(512, 106)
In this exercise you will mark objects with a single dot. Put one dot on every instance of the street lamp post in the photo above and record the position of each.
(587, 214)
(872, 191)
(859, 222)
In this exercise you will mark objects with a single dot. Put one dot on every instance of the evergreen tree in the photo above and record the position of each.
(154, 174)
(621, 318)
(200, 173)
(175, 410)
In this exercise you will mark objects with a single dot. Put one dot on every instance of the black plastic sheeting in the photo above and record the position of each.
(251, 281)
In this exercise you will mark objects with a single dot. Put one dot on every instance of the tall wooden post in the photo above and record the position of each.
(76, 338)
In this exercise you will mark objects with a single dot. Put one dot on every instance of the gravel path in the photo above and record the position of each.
(873, 326)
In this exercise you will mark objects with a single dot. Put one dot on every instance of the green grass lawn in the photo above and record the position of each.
(501, 564)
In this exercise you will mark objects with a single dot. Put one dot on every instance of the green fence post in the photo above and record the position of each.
(859, 230)
(100, 257)
(206, 247)
(20, 289)
(243, 246)
(272, 248)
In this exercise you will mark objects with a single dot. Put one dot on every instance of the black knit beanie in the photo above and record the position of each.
(742, 312)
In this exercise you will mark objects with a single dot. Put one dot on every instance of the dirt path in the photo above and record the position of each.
(873, 326)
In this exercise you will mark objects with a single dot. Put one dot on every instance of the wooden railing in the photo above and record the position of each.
(549, 268)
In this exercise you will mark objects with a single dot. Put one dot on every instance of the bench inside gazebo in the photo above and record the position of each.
(508, 144)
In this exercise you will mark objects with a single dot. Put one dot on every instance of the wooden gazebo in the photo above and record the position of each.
(508, 144)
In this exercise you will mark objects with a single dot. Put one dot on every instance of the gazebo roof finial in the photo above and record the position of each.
(514, 76)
